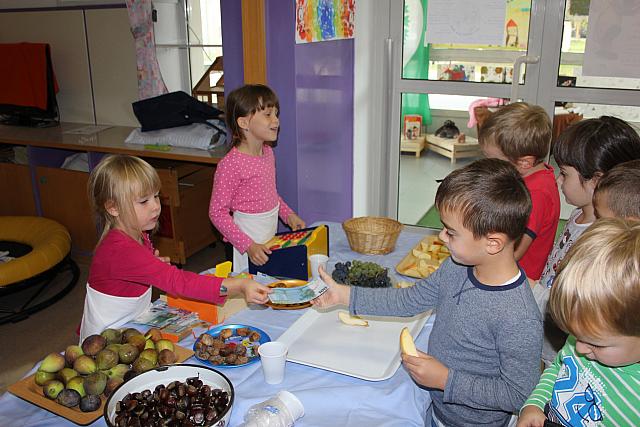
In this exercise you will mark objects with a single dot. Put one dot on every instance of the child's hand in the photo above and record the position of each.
(426, 370)
(295, 222)
(252, 291)
(531, 416)
(258, 254)
(337, 294)
(165, 259)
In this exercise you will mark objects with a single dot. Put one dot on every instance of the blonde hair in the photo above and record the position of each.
(518, 130)
(597, 286)
(118, 180)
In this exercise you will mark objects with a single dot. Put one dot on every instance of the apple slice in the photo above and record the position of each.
(348, 319)
(407, 346)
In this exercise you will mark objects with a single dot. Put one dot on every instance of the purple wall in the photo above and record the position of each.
(324, 101)
(315, 150)
(314, 83)
(231, 12)
(281, 78)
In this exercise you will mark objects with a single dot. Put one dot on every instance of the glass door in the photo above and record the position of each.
(452, 60)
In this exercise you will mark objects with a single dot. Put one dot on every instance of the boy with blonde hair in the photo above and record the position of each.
(617, 194)
(520, 134)
(595, 379)
(484, 349)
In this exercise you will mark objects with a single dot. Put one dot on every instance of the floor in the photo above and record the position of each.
(418, 186)
(25, 343)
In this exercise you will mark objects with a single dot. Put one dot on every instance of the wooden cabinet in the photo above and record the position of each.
(186, 177)
(63, 198)
(16, 190)
(185, 227)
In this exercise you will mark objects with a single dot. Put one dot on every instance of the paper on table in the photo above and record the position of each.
(87, 130)
(299, 294)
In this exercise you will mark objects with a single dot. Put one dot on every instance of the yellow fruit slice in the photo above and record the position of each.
(350, 320)
(407, 346)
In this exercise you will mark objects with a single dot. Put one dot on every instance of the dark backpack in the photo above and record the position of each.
(172, 110)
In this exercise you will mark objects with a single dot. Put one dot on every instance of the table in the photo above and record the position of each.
(453, 149)
(413, 145)
(330, 399)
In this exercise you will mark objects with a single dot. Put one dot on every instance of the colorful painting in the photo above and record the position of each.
(320, 20)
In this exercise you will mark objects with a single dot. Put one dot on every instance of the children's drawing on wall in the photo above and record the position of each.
(457, 72)
(320, 20)
(516, 27)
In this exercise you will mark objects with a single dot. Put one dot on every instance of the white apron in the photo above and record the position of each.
(260, 227)
(102, 311)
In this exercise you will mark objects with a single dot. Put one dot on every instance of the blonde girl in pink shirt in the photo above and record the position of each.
(124, 193)
(245, 204)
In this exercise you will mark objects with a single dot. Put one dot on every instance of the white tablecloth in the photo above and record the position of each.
(329, 399)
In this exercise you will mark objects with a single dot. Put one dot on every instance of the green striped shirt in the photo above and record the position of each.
(582, 392)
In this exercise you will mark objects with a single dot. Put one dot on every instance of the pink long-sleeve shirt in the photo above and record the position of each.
(123, 267)
(247, 184)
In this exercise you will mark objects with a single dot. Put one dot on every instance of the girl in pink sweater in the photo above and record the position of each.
(124, 193)
(245, 204)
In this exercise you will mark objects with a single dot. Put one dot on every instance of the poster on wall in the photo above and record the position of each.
(613, 40)
(461, 21)
(322, 20)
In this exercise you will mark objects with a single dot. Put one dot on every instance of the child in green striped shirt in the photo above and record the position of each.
(595, 380)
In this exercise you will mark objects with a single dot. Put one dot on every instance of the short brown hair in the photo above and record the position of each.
(245, 101)
(597, 286)
(490, 195)
(518, 130)
(621, 187)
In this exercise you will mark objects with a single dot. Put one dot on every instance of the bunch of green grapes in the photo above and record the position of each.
(361, 273)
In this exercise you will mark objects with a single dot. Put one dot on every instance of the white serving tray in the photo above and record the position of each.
(372, 353)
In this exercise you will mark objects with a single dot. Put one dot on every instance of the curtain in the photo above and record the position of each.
(150, 81)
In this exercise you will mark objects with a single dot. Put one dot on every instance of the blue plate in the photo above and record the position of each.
(238, 340)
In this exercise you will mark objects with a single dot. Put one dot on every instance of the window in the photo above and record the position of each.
(188, 40)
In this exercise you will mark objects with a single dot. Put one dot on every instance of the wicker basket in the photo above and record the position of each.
(372, 235)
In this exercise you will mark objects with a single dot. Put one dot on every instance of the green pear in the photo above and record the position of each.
(117, 371)
(53, 362)
(77, 384)
(106, 359)
(164, 344)
(128, 353)
(52, 388)
(42, 377)
(95, 383)
(93, 344)
(151, 355)
(85, 365)
(113, 336)
(72, 353)
(66, 374)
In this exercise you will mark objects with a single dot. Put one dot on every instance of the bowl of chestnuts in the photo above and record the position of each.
(174, 395)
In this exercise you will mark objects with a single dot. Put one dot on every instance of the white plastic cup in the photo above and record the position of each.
(273, 356)
(293, 404)
(316, 261)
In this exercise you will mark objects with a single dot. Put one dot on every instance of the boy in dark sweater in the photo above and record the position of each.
(484, 350)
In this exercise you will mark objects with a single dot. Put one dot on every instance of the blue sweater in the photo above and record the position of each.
(490, 338)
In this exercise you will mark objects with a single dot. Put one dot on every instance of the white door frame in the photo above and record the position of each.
(540, 87)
